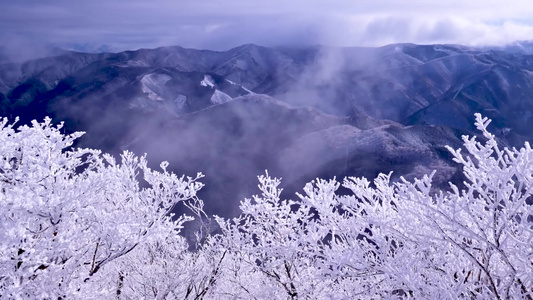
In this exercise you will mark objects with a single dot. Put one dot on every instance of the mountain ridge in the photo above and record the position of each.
(302, 113)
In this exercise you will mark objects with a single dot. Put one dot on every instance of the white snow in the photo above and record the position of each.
(528, 72)
(133, 63)
(233, 83)
(180, 101)
(153, 85)
(503, 78)
(220, 97)
(208, 81)
(450, 52)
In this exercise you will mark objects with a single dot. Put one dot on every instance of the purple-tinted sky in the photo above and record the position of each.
(219, 25)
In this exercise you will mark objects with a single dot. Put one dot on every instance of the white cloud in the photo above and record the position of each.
(219, 24)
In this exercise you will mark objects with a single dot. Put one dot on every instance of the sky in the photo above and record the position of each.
(26, 25)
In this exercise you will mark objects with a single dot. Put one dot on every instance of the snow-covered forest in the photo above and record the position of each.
(80, 224)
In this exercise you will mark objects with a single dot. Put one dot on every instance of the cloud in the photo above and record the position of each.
(220, 25)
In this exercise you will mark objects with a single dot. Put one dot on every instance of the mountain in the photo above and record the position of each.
(298, 112)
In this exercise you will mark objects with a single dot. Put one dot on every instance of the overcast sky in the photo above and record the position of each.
(220, 25)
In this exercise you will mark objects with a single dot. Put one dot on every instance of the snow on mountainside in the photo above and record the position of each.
(390, 108)
(235, 84)
(219, 97)
(207, 81)
(152, 85)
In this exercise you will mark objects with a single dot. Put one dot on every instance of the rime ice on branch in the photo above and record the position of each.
(395, 240)
(76, 224)
(70, 215)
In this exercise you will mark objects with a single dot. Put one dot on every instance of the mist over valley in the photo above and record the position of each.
(300, 112)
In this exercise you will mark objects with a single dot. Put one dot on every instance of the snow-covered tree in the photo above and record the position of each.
(77, 224)
(400, 240)
(70, 215)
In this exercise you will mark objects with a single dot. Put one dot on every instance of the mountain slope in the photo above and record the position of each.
(301, 113)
